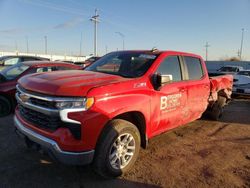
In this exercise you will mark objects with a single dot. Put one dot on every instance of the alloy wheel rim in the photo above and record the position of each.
(122, 151)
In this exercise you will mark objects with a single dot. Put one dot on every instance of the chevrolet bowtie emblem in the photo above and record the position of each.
(24, 98)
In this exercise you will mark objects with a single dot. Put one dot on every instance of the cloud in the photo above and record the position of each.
(70, 24)
(12, 31)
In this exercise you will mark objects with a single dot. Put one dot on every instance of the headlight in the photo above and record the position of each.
(85, 104)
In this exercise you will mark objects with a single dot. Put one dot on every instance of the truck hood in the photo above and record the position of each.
(67, 83)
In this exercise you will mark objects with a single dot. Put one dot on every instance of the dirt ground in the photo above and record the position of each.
(201, 154)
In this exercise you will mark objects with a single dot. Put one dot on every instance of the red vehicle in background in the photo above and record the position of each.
(103, 115)
(87, 62)
(10, 75)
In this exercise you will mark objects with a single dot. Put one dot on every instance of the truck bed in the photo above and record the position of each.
(220, 86)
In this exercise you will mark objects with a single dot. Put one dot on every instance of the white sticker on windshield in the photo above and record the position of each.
(147, 56)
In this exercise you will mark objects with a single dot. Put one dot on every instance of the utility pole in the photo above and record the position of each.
(81, 45)
(238, 53)
(45, 40)
(106, 49)
(27, 44)
(123, 41)
(16, 45)
(95, 20)
(241, 44)
(207, 46)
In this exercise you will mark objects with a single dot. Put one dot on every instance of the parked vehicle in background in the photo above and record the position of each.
(80, 63)
(87, 62)
(230, 69)
(226, 70)
(91, 60)
(10, 75)
(241, 84)
(12, 60)
(105, 113)
(65, 61)
(243, 89)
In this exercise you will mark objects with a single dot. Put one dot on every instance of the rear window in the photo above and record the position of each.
(194, 67)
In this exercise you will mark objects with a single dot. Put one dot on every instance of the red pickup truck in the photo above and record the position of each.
(104, 114)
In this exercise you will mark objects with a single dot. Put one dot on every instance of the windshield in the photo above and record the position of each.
(245, 73)
(228, 69)
(125, 64)
(13, 72)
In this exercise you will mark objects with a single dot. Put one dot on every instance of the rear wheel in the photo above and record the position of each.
(117, 149)
(5, 106)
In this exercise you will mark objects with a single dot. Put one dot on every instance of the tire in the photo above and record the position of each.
(110, 151)
(5, 106)
(222, 101)
(217, 109)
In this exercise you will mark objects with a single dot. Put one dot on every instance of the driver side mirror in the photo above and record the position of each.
(163, 79)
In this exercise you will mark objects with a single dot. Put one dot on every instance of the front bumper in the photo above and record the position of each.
(70, 158)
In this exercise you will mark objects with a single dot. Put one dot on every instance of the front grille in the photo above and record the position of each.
(42, 103)
(48, 123)
(40, 120)
(37, 101)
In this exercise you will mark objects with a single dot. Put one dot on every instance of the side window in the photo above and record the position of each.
(171, 65)
(29, 59)
(11, 61)
(44, 69)
(195, 71)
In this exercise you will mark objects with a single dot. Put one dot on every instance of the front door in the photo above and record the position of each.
(169, 100)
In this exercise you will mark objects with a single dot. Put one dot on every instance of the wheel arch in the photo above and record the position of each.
(10, 99)
(135, 117)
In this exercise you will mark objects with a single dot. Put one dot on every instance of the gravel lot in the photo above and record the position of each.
(201, 154)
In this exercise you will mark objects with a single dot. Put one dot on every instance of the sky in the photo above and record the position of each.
(179, 25)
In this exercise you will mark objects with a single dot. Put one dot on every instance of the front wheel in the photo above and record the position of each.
(117, 149)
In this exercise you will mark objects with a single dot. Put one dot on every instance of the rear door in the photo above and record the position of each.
(198, 87)
(169, 100)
